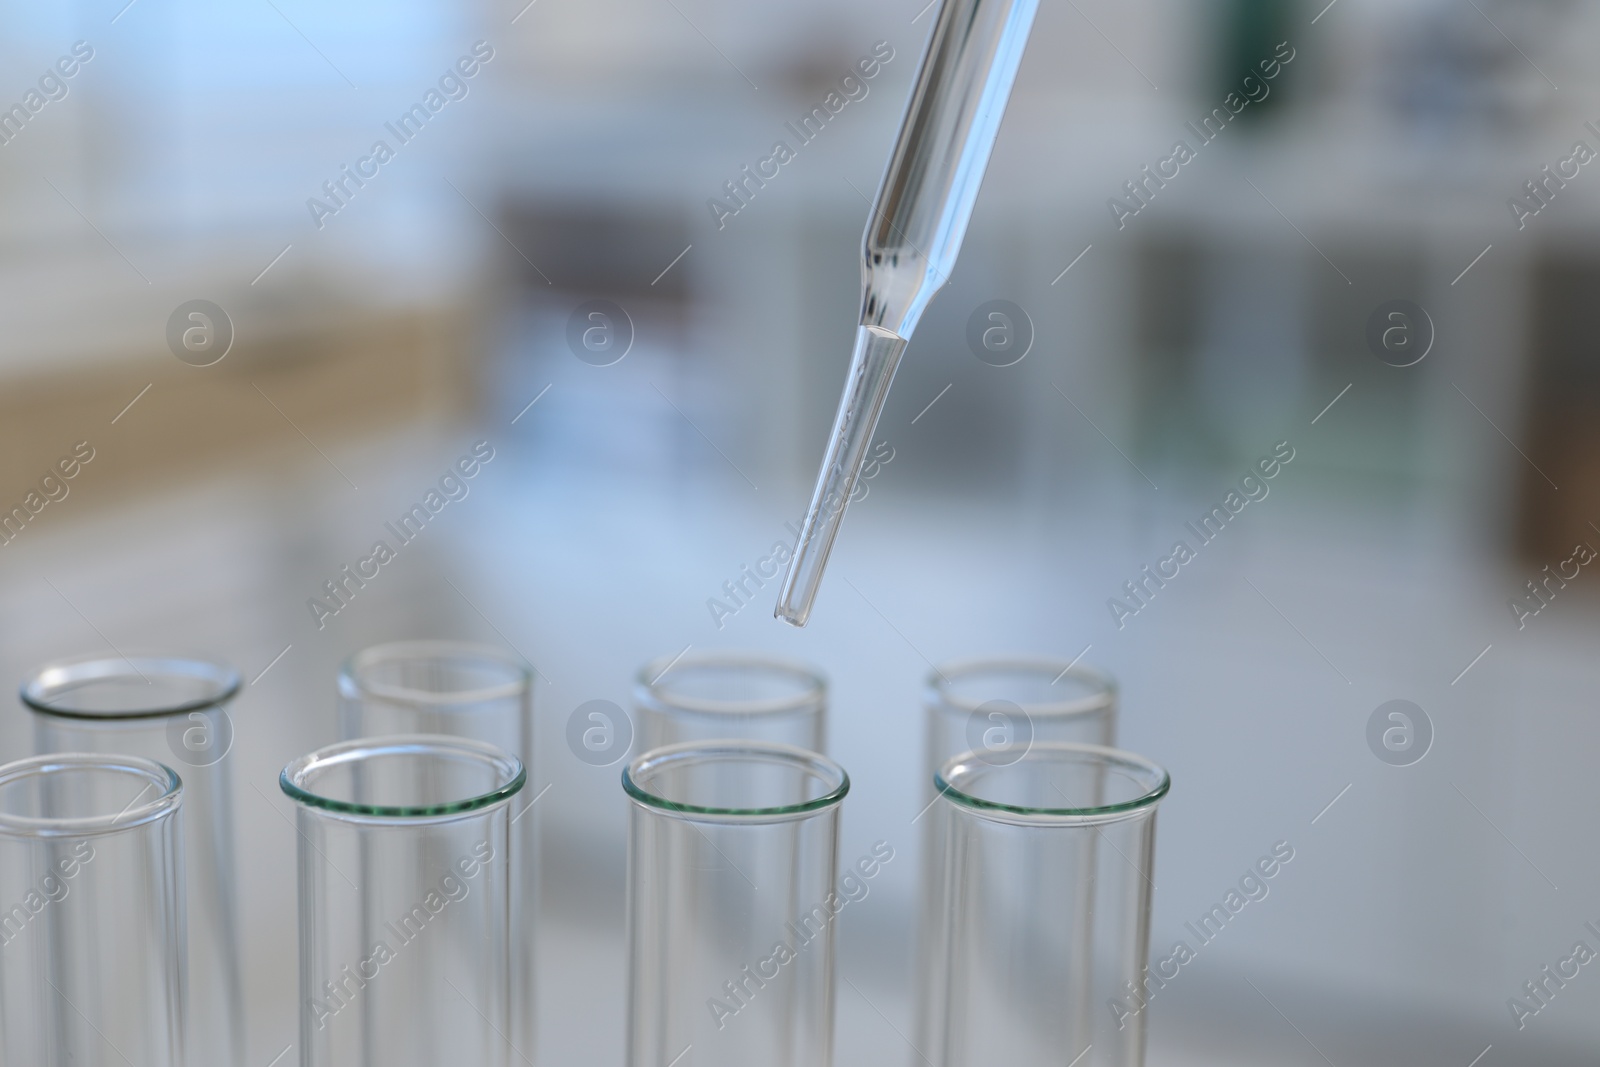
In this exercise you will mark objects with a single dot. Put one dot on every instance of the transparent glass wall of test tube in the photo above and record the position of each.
(403, 846)
(999, 708)
(733, 851)
(174, 710)
(92, 947)
(1048, 864)
(474, 691)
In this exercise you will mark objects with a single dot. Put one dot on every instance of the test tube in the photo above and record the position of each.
(1002, 705)
(92, 953)
(716, 696)
(173, 710)
(999, 707)
(733, 850)
(405, 904)
(1048, 866)
(460, 690)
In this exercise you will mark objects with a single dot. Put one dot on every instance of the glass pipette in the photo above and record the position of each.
(911, 242)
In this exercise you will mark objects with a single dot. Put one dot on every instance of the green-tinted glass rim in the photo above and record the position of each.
(762, 751)
(1110, 757)
(66, 677)
(367, 747)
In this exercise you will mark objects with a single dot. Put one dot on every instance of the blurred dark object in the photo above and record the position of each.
(599, 248)
(1250, 32)
(1563, 411)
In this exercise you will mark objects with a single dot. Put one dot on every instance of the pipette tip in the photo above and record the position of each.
(872, 366)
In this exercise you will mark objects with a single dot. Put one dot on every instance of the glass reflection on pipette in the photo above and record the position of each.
(912, 238)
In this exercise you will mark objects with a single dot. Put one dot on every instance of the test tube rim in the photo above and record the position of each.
(85, 670)
(764, 751)
(647, 681)
(1032, 816)
(154, 773)
(289, 780)
(942, 699)
(350, 676)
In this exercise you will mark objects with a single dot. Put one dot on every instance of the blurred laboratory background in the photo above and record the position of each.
(1372, 263)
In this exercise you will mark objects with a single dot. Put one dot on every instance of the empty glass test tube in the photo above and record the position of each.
(733, 851)
(405, 888)
(715, 696)
(173, 710)
(91, 912)
(997, 707)
(1046, 925)
(1000, 706)
(460, 690)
